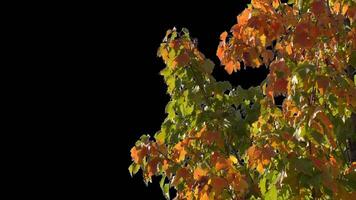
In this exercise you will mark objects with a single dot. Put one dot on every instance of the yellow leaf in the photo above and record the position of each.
(344, 9)
(275, 3)
(233, 159)
(263, 40)
(289, 49)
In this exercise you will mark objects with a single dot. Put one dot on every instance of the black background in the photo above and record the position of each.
(141, 92)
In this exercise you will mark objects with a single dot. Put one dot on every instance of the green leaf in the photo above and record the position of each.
(291, 1)
(262, 185)
(271, 194)
(160, 136)
(166, 190)
(303, 165)
(170, 110)
(161, 183)
(208, 66)
(352, 60)
(133, 169)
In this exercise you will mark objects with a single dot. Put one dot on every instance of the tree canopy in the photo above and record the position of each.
(225, 142)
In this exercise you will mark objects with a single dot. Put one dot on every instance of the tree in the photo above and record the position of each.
(224, 142)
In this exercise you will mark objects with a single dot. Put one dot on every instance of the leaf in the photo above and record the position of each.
(152, 166)
(199, 173)
(275, 4)
(259, 157)
(138, 154)
(220, 52)
(260, 168)
(262, 185)
(164, 187)
(181, 173)
(303, 37)
(179, 152)
(233, 159)
(160, 137)
(223, 36)
(263, 40)
(303, 165)
(208, 66)
(166, 190)
(218, 184)
(271, 194)
(231, 66)
(289, 49)
(205, 196)
(352, 60)
(322, 84)
(222, 163)
(133, 169)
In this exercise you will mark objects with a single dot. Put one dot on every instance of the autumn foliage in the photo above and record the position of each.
(224, 142)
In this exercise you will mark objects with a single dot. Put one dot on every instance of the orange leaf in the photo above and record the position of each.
(138, 154)
(244, 16)
(204, 196)
(220, 52)
(222, 163)
(336, 7)
(179, 152)
(260, 168)
(231, 66)
(199, 173)
(223, 36)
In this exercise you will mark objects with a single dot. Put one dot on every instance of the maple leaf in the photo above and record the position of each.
(305, 35)
(259, 157)
(199, 173)
(220, 52)
(289, 49)
(232, 66)
(243, 18)
(322, 84)
(267, 56)
(179, 152)
(152, 167)
(181, 174)
(218, 184)
(182, 59)
(223, 36)
(138, 154)
(222, 163)
(211, 137)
